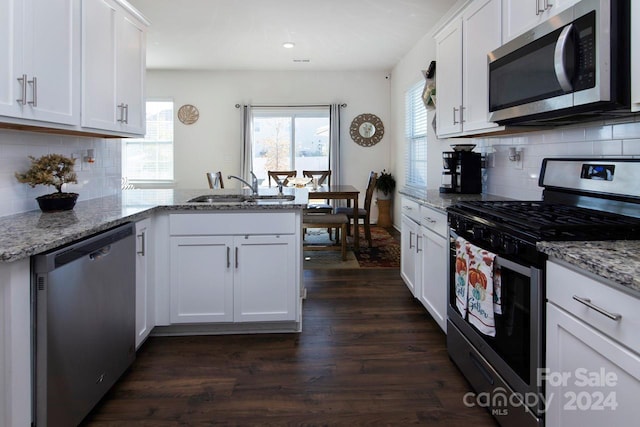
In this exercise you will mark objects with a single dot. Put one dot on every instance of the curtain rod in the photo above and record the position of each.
(289, 106)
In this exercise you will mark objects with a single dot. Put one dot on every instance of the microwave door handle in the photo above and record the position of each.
(558, 58)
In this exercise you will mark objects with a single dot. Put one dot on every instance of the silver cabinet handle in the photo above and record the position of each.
(236, 257)
(430, 220)
(34, 88)
(120, 108)
(410, 240)
(143, 244)
(547, 5)
(126, 113)
(588, 303)
(558, 58)
(23, 89)
(228, 257)
(407, 208)
(462, 114)
(418, 243)
(538, 10)
(454, 116)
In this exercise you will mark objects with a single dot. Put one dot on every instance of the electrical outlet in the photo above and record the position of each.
(520, 159)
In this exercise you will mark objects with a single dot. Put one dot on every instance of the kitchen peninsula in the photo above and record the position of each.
(257, 286)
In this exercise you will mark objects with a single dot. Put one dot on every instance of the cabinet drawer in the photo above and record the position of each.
(411, 209)
(434, 220)
(232, 223)
(563, 284)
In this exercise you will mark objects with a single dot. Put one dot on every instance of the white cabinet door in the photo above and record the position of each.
(113, 68)
(40, 51)
(449, 79)
(635, 56)
(201, 282)
(576, 353)
(481, 34)
(433, 293)
(145, 306)
(519, 16)
(264, 283)
(409, 259)
(130, 71)
(11, 12)
(99, 33)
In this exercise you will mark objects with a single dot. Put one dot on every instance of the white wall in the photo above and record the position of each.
(214, 141)
(99, 179)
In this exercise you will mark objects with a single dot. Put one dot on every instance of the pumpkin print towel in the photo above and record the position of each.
(461, 285)
(474, 280)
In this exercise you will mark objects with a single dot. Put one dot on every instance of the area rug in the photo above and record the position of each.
(385, 252)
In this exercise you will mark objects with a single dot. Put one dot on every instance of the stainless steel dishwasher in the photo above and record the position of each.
(83, 297)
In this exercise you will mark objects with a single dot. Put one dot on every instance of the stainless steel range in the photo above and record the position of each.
(496, 320)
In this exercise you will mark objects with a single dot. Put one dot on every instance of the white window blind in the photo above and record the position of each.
(150, 159)
(416, 138)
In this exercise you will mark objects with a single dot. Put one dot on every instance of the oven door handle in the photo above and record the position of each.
(500, 261)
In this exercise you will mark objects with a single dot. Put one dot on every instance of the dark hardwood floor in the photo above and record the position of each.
(368, 354)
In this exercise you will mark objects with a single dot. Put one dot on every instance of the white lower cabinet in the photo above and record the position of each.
(220, 274)
(435, 250)
(410, 261)
(592, 361)
(145, 303)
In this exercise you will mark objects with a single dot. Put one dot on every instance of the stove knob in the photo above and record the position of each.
(510, 246)
(479, 232)
(495, 241)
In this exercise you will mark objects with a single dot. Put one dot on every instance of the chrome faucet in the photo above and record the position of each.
(254, 179)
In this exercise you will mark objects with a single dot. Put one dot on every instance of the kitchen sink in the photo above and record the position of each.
(272, 198)
(238, 198)
(218, 198)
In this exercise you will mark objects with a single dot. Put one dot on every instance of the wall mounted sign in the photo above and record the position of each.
(366, 130)
(188, 114)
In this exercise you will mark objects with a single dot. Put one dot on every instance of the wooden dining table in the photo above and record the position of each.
(341, 192)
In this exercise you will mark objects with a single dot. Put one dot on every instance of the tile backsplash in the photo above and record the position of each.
(519, 179)
(97, 179)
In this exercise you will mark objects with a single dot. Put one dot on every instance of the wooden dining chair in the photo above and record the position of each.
(363, 213)
(324, 177)
(215, 179)
(281, 176)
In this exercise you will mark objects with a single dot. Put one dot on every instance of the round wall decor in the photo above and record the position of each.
(188, 114)
(366, 130)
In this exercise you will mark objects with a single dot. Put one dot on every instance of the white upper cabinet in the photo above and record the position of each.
(462, 77)
(521, 15)
(113, 52)
(635, 56)
(40, 53)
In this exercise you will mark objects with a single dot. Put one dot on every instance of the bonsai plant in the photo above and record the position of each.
(55, 170)
(385, 184)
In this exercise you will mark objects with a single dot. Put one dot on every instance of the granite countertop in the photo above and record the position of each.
(34, 232)
(441, 201)
(617, 261)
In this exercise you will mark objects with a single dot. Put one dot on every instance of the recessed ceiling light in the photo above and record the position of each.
(288, 45)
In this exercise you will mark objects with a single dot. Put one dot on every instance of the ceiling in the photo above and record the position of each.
(248, 34)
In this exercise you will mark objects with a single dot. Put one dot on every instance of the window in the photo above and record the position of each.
(416, 138)
(150, 160)
(295, 138)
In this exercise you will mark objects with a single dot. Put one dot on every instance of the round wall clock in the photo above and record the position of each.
(188, 114)
(366, 130)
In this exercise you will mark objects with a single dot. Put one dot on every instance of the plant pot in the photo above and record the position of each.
(57, 202)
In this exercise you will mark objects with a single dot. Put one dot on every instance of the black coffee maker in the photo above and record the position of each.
(462, 171)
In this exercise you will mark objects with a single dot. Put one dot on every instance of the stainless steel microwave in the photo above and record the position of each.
(573, 67)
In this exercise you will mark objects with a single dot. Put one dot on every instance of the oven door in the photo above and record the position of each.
(551, 68)
(515, 353)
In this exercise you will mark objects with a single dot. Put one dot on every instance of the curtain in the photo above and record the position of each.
(247, 137)
(334, 143)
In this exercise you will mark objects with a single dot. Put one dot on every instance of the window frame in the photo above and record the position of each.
(416, 136)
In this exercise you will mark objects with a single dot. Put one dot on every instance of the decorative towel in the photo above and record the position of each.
(480, 294)
(462, 288)
(497, 289)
